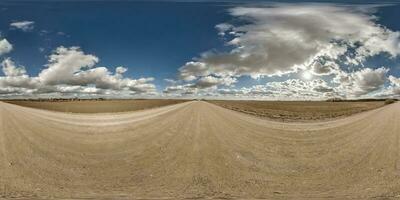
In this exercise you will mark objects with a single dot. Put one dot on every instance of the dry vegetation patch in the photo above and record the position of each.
(299, 110)
(389, 101)
(96, 106)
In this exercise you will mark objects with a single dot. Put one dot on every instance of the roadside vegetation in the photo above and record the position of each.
(389, 101)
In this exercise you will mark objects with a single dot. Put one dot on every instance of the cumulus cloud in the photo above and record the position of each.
(298, 89)
(294, 89)
(64, 64)
(350, 85)
(394, 81)
(223, 28)
(287, 38)
(192, 70)
(320, 69)
(5, 46)
(10, 69)
(368, 80)
(120, 70)
(181, 90)
(71, 71)
(361, 82)
(393, 90)
(289, 89)
(15, 81)
(210, 81)
(23, 25)
(206, 85)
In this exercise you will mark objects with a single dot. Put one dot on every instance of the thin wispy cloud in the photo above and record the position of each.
(25, 26)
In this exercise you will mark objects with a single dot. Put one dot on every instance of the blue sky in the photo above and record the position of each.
(155, 40)
(151, 39)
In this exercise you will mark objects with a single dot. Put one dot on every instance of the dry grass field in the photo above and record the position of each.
(196, 150)
(299, 110)
(94, 106)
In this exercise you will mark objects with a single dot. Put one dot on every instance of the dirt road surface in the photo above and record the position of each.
(197, 150)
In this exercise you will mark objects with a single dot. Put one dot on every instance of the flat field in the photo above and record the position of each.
(97, 106)
(299, 110)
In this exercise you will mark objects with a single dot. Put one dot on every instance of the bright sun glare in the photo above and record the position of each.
(307, 75)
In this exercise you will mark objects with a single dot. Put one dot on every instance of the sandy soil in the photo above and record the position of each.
(296, 111)
(197, 150)
(93, 106)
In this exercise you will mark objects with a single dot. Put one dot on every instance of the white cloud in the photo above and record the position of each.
(10, 69)
(120, 70)
(63, 65)
(181, 90)
(394, 89)
(329, 67)
(16, 80)
(293, 89)
(223, 28)
(192, 70)
(206, 85)
(23, 25)
(298, 89)
(71, 71)
(361, 82)
(391, 91)
(368, 80)
(284, 38)
(394, 81)
(5, 46)
(210, 81)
